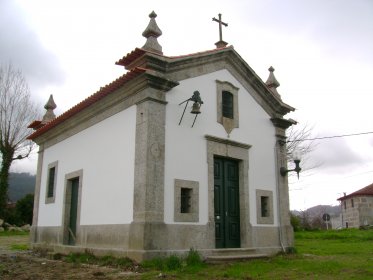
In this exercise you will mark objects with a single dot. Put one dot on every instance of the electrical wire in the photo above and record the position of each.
(331, 137)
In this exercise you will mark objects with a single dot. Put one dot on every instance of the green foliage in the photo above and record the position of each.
(155, 263)
(24, 209)
(19, 247)
(10, 216)
(333, 254)
(343, 254)
(89, 258)
(170, 263)
(13, 233)
(173, 263)
(191, 262)
(113, 261)
(22, 213)
(295, 222)
(193, 258)
(79, 258)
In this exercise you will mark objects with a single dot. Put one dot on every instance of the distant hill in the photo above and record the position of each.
(322, 209)
(319, 210)
(20, 184)
(312, 217)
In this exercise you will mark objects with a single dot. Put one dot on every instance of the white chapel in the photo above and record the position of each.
(179, 152)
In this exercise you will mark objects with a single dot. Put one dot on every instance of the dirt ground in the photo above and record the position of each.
(30, 265)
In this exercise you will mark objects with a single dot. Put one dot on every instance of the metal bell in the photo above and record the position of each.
(196, 108)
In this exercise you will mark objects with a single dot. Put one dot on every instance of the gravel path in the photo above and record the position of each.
(22, 265)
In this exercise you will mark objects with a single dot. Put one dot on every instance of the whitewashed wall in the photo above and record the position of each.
(186, 156)
(106, 153)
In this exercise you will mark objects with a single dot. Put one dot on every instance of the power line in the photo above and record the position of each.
(331, 137)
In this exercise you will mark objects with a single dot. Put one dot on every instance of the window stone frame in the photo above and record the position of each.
(260, 219)
(193, 215)
(228, 123)
(51, 199)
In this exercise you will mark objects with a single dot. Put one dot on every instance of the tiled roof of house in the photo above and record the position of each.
(104, 91)
(367, 191)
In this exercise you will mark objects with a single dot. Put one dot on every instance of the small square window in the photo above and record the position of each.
(186, 208)
(185, 203)
(264, 206)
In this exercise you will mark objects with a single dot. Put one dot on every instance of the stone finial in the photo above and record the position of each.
(151, 33)
(272, 82)
(49, 114)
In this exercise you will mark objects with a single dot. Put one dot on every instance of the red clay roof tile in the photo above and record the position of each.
(104, 91)
(367, 191)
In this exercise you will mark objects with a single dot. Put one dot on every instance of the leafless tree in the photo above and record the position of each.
(299, 137)
(17, 111)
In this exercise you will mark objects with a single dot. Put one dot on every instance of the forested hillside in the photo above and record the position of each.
(20, 184)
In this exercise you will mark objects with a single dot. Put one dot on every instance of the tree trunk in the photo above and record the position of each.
(7, 158)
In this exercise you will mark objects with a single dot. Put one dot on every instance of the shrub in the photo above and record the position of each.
(173, 262)
(193, 258)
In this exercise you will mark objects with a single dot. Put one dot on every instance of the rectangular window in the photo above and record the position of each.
(352, 203)
(51, 182)
(51, 179)
(264, 206)
(345, 204)
(185, 203)
(227, 103)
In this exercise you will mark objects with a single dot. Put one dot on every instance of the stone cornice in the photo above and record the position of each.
(193, 65)
(143, 87)
(282, 123)
(227, 142)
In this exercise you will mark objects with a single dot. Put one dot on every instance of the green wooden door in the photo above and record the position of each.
(226, 203)
(73, 210)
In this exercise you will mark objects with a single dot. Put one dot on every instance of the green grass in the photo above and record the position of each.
(89, 258)
(13, 233)
(344, 254)
(19, 247)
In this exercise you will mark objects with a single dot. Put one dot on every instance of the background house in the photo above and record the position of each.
(357, 208)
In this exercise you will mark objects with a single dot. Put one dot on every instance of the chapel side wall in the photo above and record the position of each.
(187, 146)
(105, 149)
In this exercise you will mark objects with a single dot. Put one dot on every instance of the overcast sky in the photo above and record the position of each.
(321, 50)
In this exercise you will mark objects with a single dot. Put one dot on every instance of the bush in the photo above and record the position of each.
(193, 258)
(22, 213)
(24, 209)
(173, 262)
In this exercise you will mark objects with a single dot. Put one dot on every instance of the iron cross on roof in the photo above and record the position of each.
(221, 43)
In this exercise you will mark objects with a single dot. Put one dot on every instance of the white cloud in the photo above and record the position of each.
(21, 46)
(321, 51)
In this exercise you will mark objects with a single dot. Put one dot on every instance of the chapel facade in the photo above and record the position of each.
(177, 153)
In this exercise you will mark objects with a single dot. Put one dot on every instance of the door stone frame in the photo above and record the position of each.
(66, 205)
(236, 151)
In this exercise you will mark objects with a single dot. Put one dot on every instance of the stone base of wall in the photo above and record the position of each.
(140, 241)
